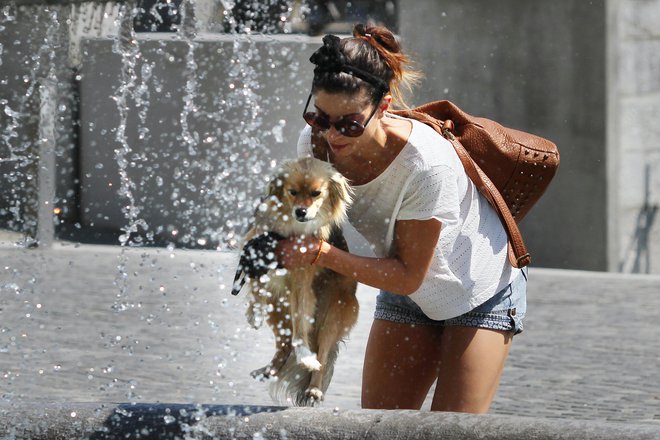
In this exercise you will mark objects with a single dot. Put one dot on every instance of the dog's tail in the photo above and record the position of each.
(293, 380)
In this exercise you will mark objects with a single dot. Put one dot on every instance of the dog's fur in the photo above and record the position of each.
(309, 309)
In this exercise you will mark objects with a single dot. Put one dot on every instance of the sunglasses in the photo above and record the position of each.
(346, 126)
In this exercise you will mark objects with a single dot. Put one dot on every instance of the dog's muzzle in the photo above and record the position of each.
(301, 214)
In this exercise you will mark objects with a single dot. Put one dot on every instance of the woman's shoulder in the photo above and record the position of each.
(428, 149)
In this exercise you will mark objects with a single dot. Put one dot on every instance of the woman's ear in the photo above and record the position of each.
(385, 103)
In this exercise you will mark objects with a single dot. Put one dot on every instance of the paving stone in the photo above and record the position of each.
(73, 328)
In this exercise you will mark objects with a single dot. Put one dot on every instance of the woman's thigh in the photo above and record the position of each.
(401, 363)
(471, 363)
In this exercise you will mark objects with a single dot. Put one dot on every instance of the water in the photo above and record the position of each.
(20, 153)
(134, 323)
(186, 339)
(98, 332)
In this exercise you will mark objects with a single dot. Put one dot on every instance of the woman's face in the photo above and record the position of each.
(337, 106)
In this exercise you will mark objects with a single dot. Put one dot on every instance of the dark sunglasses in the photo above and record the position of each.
(346, 126)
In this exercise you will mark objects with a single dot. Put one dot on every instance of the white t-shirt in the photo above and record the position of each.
(427, 180)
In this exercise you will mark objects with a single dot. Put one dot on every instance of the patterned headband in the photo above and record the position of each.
(329, 58)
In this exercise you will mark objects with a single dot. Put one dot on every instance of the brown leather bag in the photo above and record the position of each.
(511, 168)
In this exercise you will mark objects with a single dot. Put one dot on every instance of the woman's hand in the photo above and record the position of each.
(298, 251)
(402, 273)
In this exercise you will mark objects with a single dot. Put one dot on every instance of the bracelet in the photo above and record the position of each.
(318, 254)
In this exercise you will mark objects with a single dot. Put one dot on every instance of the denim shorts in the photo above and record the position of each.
(504, 311)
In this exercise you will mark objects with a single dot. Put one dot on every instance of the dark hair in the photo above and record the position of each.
(375, 50)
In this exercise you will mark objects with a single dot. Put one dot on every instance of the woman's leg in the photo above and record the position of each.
(401, 363)
(471, 364)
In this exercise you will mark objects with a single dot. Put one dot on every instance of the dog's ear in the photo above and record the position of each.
(276, 186)
(340, 194)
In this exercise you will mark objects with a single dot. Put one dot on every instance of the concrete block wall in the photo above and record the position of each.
(634, 135)
(39, 46)
(34, 51)
(194, 174)
(586, 75)
(537, 66)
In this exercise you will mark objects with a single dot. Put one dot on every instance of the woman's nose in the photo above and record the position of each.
(333, 133)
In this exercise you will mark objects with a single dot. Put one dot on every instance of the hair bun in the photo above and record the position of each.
(360, 30)
(329, 57)
(377, 36)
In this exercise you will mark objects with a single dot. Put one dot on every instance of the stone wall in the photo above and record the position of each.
(586, 75)
(537, 66)
(634, 135)
(205, 123)
(39, 58)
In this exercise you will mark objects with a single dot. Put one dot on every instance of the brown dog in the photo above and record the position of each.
(310, 309)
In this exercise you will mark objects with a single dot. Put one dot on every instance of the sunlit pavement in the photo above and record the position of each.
(76, 327)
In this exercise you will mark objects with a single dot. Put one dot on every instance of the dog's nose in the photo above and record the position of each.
(301, 213)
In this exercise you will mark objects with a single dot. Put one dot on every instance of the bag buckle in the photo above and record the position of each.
(523, 257)
(447, 129)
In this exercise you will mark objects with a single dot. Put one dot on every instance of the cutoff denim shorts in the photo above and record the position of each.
(504, 311)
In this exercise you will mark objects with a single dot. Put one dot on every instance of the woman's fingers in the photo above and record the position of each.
(297, 251)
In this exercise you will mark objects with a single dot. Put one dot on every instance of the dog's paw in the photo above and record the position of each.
(307, 359)
(264, 373)
(313, 396)
(310, 363)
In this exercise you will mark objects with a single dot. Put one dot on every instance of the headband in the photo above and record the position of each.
(330, 59)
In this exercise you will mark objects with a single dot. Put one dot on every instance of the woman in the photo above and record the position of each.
(450, 302)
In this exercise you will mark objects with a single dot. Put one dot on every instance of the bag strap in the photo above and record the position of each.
(517, 251)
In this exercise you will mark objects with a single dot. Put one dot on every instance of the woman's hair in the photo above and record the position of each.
(375, 50)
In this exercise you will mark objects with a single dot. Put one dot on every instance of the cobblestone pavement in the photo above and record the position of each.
(74, 326)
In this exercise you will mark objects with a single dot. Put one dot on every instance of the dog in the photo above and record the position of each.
(309, 309)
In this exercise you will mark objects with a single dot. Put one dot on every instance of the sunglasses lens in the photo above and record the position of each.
(350, 128)
(316, 121)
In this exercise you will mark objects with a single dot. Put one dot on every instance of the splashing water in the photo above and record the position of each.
(22, 152)
(127, 48)
(215, 170)
(188, 33)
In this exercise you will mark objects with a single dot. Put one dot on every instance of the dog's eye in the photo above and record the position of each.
(316, 193)
(293, 192)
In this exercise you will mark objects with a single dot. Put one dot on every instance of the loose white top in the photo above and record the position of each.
(427, 180)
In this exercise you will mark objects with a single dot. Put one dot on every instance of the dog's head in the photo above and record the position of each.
(312, 194)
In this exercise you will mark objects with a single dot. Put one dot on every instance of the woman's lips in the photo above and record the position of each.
(337, 147)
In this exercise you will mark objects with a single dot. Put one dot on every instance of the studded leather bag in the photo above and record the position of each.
(511, 168)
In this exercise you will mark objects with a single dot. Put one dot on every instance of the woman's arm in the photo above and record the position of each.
(414, 245)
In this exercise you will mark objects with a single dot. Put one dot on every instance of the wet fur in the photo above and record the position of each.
(311, 309)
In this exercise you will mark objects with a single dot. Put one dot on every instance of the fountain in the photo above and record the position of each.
(155, 144)
(130, 162)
